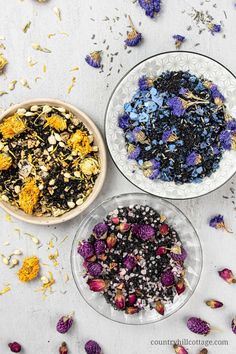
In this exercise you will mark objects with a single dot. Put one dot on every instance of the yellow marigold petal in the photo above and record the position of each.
(3, 62)
(5, 162)
(79, 141)
(57, 122)
(28, 196)
(12, 126)
(30, 269)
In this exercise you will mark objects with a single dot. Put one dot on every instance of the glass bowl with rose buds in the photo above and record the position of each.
(136, 259)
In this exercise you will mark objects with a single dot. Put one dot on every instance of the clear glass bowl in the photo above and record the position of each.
(187, 235)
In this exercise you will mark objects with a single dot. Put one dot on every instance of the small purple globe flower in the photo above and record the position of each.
(64, 324)
(100, 230)
(100, 246)
(179, 257)
(130, 262)
(92, 347)
(167, 278)
(86, 249)
(198, 326)
(94, 269)
(145, 232)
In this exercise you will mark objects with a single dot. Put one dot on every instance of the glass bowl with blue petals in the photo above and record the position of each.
(145, 135)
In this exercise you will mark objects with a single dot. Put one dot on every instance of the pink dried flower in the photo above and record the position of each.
(64, 324)
(214, 304)
(180, 286)
(15, 347)
(198, 326)
(97, 285)
(164, 229)
(63, 348)
(131, 310)
(132, 298)
(179, 349)
(161, 250)
(124, 227)
(120, 300)
(160, 308)
(227, 275)
(115, 220)
(233, 325)
(111, 241)
(203, 351)
(92, 347)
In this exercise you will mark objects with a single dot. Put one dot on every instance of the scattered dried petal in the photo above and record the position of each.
(179, 349)
(227, 275)
(214, 304)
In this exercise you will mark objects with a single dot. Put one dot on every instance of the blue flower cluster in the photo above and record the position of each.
(176, 127)
(151, 7)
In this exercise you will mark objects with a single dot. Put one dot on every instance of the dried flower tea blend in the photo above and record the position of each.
(176, 127)
(135, 259)
(48, 160)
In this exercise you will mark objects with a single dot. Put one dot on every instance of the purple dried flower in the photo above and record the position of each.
(178, 40)
(152, 174)
(94, 59)
(216, 93)
(133, 152)
(99, 246)
(179, 257)
(214, 28)
(123, 121)
(100, 230)
(94, 269)
(169, 136)
(92, 347)
(86, 249)
(231, 125)
(145, 232)
(133, 37)
(15, 347)
(226, 139)
(138, 135)
(177, 106)
(145, 83)
(151, 7)
(233, 325)
(167, 278)
(218, 222)
(130, 262)
(193, 159)
(64, 324)
(198, 326)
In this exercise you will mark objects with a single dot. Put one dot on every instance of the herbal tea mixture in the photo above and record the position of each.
(135, 259)
(176, 127)
(48, 160)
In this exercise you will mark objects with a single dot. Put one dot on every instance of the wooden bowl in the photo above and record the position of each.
(51, 220)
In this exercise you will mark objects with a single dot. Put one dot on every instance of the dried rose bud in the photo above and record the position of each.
(131, 310)
(227, 275)
(100, 246)
(132, 298)
(180, 286)
(164, 229)
(64, 324)
(160, 308)
(100, 230)
(94, 269)
(233, 325)
(178, 254)
(15, 347)
(86, 249)
(161, 250)
(92, 347)
(97, 285)
(179, 349)
(198, 326)
(130, 262)
(111, 241)
(203, 351)
(63, 348)
(115, 220)
(124, 227)
(120, 300)
(214, 304)
(167, 278)
(144, 232)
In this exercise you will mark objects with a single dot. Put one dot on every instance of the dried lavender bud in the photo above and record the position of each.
(15, 347)
(196, 325)
(86, 250)
(64, 324)
(63, 348)
(167, 278)
(92, 347)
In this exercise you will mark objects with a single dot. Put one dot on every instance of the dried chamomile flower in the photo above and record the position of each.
(57, 122)
(89, 166)
(30, 269)
(94, 59)
(28, 196)
(12, 126)
(5, 161)
(80, 142)
(133, 36)
(3, 62)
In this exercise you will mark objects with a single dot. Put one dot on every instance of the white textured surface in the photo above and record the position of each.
(24, 315)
